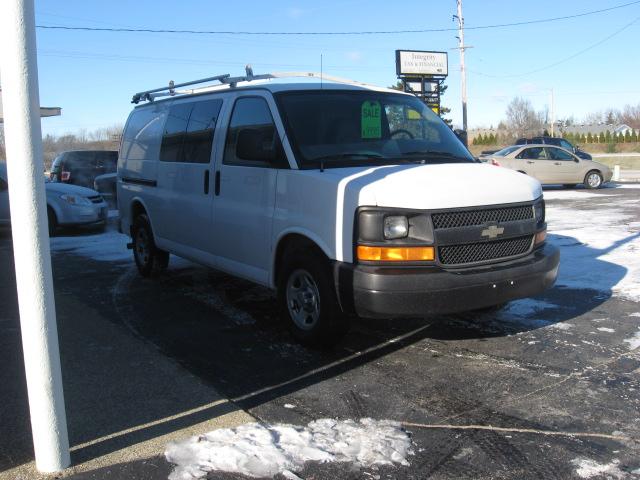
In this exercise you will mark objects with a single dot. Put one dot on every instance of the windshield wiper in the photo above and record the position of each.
(433, 153)
(342, 156)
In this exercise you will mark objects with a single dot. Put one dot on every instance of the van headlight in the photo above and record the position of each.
(395, 227)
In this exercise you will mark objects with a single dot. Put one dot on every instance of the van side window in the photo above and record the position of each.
(199, 136)
(252, 137)
(174, 132)
(188, 132)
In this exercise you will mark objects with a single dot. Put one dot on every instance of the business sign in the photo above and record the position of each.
(416, 63)
(417, 86)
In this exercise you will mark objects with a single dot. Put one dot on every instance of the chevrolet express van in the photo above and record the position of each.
(342, 198)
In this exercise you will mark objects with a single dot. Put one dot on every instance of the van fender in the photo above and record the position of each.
(311, 236)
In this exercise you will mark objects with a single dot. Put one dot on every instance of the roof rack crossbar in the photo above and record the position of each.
(227, 81)
(171, 87)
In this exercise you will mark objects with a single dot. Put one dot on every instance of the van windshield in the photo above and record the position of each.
(341, 128)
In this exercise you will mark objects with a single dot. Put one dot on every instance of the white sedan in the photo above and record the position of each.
(67, 205)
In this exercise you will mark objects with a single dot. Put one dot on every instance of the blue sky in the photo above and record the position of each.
(92, 75)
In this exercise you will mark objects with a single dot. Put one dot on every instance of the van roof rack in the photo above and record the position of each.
(226, 80)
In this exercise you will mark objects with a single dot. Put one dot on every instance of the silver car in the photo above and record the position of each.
(67, 205)
(551, 165)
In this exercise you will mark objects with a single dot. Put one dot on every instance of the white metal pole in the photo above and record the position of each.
(23, 142)
(553, 115)
(463, 72)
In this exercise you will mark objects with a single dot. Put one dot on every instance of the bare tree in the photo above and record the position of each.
(522, 119)
(631, 116)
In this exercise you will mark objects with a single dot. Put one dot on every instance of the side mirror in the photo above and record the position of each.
(256, 145)
(462, 136)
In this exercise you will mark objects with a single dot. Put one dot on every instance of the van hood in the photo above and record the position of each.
(67, 188)
(437, 186)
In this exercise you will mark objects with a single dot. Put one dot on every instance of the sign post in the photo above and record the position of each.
(422, 74)
(23, 139)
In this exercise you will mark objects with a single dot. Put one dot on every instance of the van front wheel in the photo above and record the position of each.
(308, 300)
(150, 260)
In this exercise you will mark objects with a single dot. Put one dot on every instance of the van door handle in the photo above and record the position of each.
(529, 161)
(557, 163)
(217, 183)
(206, 182)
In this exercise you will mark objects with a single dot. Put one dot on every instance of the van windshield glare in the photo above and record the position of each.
(344, 128)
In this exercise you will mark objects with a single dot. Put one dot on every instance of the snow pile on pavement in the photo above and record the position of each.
(634, 342)
(109, 246)
(590, 468)
(263, 450)
(599, 249)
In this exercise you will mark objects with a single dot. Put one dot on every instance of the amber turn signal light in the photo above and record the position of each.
(541, 237)
(395, 254)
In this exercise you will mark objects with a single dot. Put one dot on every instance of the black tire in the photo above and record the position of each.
(593, 180)
(311, 311)
(569, 185)
(150, 260)
(53, 222)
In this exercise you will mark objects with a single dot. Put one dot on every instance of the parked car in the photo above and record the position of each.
(558, 142)
(552, 165)
(342, 198)
(105, 185)
(67, 205)
(81, 167)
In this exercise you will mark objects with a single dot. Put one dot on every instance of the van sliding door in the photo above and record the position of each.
(184, 176)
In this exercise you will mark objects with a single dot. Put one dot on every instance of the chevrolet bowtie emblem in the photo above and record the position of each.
(492, 232)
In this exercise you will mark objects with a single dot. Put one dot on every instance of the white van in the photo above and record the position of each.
(343, 198)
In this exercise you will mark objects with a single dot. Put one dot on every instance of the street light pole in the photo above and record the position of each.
(463, 72)
(23, 142)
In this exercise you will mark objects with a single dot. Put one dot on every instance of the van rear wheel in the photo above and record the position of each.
(150, 260)
(308, 300)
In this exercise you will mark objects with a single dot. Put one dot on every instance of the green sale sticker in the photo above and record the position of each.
(371, 121)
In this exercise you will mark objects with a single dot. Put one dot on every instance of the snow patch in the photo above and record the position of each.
(263, 450)
(289, 405)
(571, 194)
(634, 342)
(104, 247)
(590, 468)
(599, 251)
(562, 326)
(605, 329)
(636, 314)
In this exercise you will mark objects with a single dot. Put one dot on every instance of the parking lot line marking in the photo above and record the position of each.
(329, 366)
(521, 430)
(150, 424)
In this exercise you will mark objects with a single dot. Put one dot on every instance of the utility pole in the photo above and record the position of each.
(553, 118)
(23, 139)
(463, 72)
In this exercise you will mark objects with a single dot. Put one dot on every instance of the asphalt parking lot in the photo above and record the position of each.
(544, 388)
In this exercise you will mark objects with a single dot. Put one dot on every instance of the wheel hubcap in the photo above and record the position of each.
(594, 180)
(303, 299)
(142, 246)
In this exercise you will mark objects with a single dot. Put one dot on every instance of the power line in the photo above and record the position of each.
(371, 32)
(566, 59)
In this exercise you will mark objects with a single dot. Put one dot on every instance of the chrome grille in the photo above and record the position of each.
(468, 218)
(484, 251)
